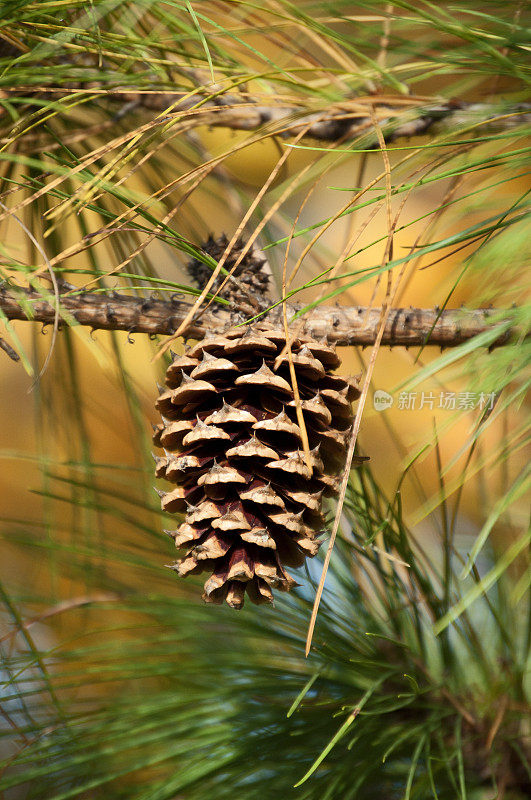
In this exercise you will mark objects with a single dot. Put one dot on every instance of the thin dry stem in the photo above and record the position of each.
(389, 296)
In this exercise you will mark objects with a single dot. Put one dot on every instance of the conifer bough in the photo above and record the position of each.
(346, 120)
(342, 121)
(342, 325)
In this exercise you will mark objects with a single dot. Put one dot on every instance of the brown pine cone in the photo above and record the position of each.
(234, 451)
(251, 276)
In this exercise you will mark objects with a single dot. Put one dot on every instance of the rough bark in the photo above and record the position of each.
(343, 121)
(343, 325)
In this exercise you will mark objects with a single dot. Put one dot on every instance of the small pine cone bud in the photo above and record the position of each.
(252, 273)
(233, 449)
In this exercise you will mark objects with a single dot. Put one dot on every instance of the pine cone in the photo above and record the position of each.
(234, 450)
(252, 273)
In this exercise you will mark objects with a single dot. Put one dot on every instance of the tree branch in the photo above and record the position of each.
(346, 120)
(347, 325)
(343, 121)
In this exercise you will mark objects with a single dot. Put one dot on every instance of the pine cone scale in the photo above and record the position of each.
(233, 449)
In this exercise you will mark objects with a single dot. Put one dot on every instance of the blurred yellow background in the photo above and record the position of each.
(391, 438)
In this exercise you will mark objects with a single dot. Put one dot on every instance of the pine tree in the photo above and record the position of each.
(254, 186)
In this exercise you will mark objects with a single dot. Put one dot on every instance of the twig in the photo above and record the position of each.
(348, 119)
(13, 355)
(347, 325)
